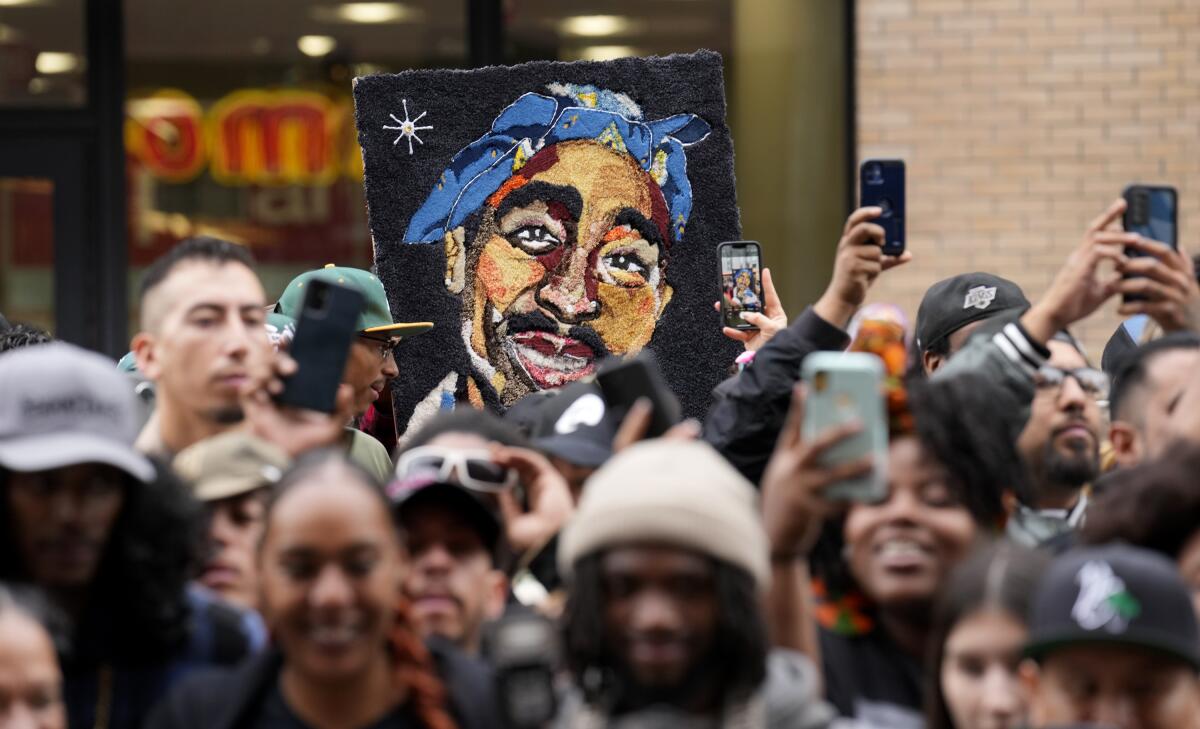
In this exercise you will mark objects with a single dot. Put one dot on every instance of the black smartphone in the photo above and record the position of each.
(324, 333)
(1150, 211)
(623, 382)
(881, 183)
(741, 281)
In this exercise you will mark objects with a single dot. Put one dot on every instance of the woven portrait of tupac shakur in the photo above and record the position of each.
(548, 216)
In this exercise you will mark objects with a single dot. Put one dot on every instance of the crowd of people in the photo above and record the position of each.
(179, 550)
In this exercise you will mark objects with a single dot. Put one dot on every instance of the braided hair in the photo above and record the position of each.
(414, 671)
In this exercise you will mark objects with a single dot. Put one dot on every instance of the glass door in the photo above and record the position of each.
(41, 232)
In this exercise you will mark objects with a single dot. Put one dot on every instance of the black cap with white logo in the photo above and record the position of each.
(1115, 595)
(953, 303)
(64, 406)
(576, 426)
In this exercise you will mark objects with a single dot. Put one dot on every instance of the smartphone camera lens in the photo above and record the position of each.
(873, 175)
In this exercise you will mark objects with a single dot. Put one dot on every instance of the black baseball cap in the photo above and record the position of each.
(576, 426)
(480, 511)
(1114, 594)
(953, 303)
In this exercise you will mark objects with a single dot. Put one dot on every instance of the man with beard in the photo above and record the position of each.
(557, 226)
(665, 561)
(1060, 444)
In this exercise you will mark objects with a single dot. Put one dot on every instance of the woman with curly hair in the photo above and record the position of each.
(880, 566)
(345, 653)
(107, 536)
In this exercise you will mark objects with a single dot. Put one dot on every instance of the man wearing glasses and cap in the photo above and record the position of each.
(1060, 444)
(371, 362)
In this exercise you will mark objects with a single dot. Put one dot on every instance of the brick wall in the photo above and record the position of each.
(1020, 120)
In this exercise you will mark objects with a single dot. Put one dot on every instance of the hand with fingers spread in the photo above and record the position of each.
(547, 493)
(793, 487)
(859, 262)
(1164, 282)
(770, 322)
(292, 429)
(1080, 286)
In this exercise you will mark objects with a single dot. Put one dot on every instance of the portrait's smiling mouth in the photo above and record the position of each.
(552, 360)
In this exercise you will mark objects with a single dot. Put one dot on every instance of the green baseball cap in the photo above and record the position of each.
(376, 318)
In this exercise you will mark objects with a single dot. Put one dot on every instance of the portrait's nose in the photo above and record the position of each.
(569, 291)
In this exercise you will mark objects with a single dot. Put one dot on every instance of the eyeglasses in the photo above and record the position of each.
(1093, 382)
(472, 469)
(382, 347)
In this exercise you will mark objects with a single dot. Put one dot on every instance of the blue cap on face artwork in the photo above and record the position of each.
(534, 121)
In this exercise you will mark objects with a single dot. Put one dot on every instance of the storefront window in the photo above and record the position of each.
(42, 54)
(27, 251)
(245, 130)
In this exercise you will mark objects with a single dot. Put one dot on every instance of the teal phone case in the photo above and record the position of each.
(847, 387)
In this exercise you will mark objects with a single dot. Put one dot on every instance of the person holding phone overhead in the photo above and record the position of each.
(370, 363)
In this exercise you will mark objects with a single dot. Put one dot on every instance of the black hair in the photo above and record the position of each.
(999, 575)
(33, 604)
(740, 636)
(313, 462)
(137, 603)
(956, 423)
(468, 420)
(200, 248)
(1154, 505)
(1136, 367)
(23, 335)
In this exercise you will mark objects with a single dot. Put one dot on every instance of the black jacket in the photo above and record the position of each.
(233, 698)
(745, 421)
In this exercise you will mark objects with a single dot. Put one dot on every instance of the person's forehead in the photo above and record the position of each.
(327, 512)
(1169, 370)
(228, 284)
(653, 558)
(459, 440)
(25, 643)
(1114, 661)
(1064, 355)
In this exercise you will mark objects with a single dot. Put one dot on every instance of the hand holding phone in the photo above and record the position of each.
(324, 333)
(624, 382)
(881, 185)
(845, 389)
(740, 281)
(1150, 211)
(795, 486)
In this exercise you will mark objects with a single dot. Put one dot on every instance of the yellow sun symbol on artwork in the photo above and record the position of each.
(408, 127)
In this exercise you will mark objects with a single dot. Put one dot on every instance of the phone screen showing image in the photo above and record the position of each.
(741, 283)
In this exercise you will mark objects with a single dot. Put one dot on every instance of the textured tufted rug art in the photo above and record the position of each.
(546, 216)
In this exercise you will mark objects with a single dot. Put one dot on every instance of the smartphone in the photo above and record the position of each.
(623, 382)
(881, 183)
(847, 387)
(741, 282)
(324, 332)
(1150, 211)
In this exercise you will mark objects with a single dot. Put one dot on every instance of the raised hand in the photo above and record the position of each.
(1080, 286)
(770, 322)
(793, 486)
(1166, 285)
(547, 494)
(859, 262)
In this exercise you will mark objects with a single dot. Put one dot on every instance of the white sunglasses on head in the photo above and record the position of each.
(472, 469)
